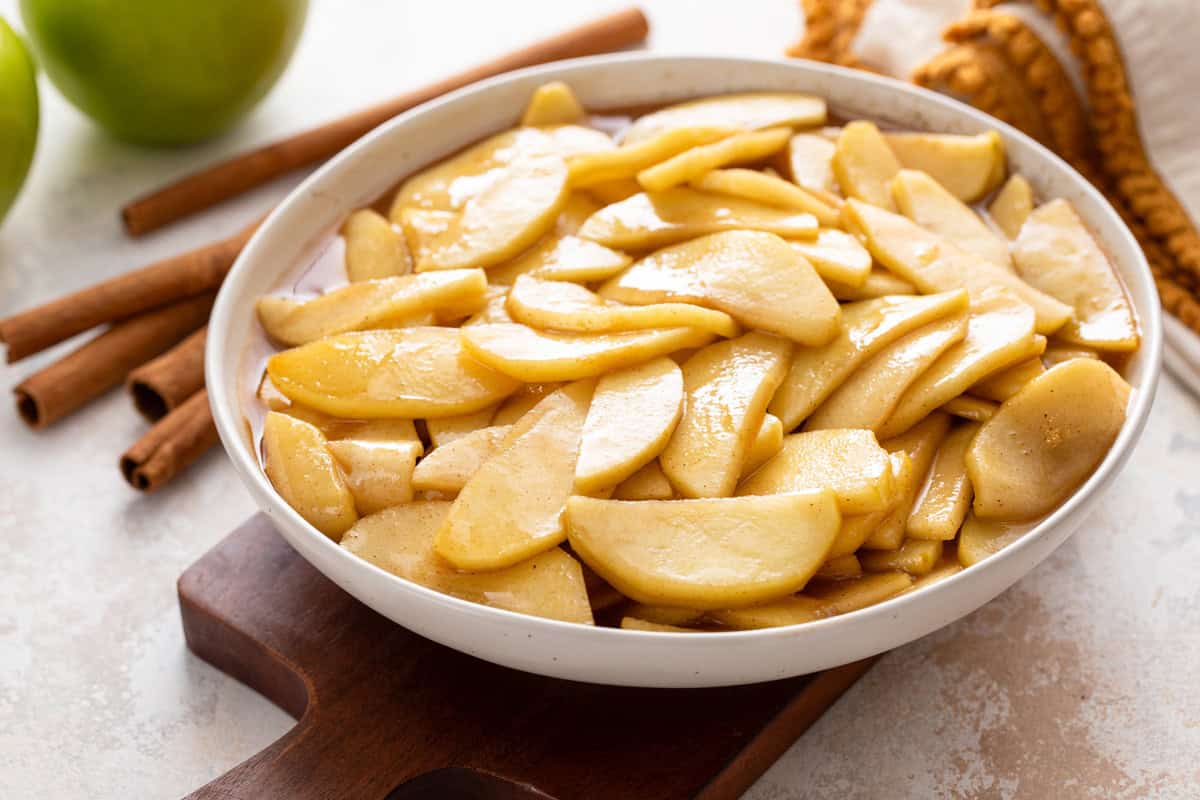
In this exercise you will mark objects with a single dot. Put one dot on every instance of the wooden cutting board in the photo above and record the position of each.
(386, 715)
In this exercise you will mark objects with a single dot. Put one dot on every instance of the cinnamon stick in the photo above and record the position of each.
(192, 273)
(241, 173)
(102, 363)
(163, 384)
(168, 448)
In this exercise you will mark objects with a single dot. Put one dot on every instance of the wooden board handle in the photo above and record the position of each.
(241, 173)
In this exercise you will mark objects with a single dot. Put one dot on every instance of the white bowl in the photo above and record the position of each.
(606, 655)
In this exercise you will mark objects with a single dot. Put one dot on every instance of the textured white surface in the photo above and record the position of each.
(1079, 682)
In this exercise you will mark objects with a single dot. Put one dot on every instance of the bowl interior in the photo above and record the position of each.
(360, 174)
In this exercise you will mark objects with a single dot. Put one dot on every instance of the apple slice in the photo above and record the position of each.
(1046, 439)
(374, 249)
(864, 164)
(914, 557)
(448, 467)
(767, 189)
(553, 104)
(924, 201)
(944, 500)
(971, 408)
(1056, 253)
(918, 446)
(511, 508)
(522, 402)
(809, 163)
(968, 166)
(848, 462)
(400, 540)
(867, 398)
(649, 221)
(999, 334)
(648, 483)
(981, 538)
(411, 373)
(1012, 206)
(632, 416)
(593, 170)
(741, 148)
(840, 568)
(948, 565)
(301, 468)
(708, 553)
(508, 216)
(754, 277)
(818, 602)
(932, 264)
(836, 256)
(878, 283)
(748, 111)
(867, 327)
(635, 624)
(449, 184)
(568, 307)
(728, 386)
(537, 356)
(445, 430)
(767, 442)
(380, 303)
(1007, 382)
(378, 474)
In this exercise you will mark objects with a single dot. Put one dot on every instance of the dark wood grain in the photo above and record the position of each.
(386, 714)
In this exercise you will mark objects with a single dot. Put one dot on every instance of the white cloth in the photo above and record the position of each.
(1163, 70)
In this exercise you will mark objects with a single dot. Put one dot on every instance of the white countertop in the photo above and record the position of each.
(1080, 680)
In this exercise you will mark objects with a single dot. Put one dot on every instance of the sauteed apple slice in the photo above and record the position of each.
(449, 466)
(946, 497)
(522, 401)
(553, 103)
(932, 264)
(879, 283)
(919, 445)
(864, 164)
(749, 111)
(647, 221)
(767, 442)
(867, 398)
(1045, 440)
(589, 170)
(915, 557)
(511, 508)
(809, 163)
(849, 462)
(999, 334)
(409, 372)
(968, 166)
(1005, 383)
(707, 553)
(299, 465)
(568, 307)
(400, 540)
(741, 148)
(767, 189)
(754, 277)
(1012, 206)
(444, 430)
(631, 418)
(535, 356)
(836, 256)
(818, 602)
(648, 483)
(374, 249)
(499, 222)
(378, 474)
(867, 327)
(924, 201)
(1056, 253)
(380, 303)
(728, 386)
(980, 538)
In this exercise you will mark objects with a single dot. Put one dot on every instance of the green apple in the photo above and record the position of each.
(18, 114)
(164, 71)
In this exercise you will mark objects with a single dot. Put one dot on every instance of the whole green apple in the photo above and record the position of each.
(164, 71)
(18, 115)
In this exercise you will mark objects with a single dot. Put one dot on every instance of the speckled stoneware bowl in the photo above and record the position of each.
(606, 655)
